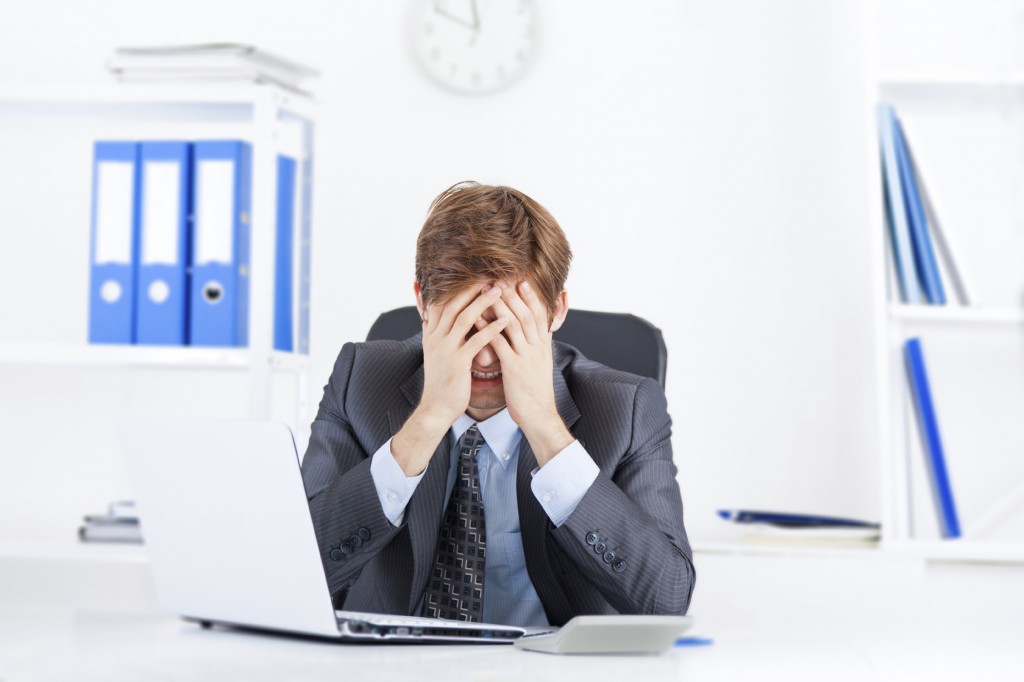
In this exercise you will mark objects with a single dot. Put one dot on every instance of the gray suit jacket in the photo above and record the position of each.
(633, 507)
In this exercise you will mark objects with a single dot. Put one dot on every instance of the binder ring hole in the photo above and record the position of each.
(159, 292)
(110, 291)
(213, 292)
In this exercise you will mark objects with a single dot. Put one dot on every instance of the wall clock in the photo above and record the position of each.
(475, 46)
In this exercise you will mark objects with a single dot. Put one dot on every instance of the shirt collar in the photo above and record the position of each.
(499, 431)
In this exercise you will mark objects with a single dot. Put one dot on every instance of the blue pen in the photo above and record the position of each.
(792, 520)
(694, 641)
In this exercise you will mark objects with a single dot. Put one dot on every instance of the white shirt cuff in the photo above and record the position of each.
(561, 483)
(394, 488)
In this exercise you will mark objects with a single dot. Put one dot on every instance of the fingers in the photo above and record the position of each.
(454, 307)
(532, 300)
(469, 316)
(521, 311)
(503, 349)
(514, 330)
(432, 317)
(476, 343)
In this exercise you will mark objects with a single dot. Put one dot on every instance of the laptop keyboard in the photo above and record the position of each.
(412, 621)
(383, 626)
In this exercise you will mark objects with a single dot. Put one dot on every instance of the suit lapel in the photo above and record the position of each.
(533, 521)
(423, 513)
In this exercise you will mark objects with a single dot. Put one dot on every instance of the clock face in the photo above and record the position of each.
(475, 46)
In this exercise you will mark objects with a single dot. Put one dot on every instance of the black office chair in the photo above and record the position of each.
(618, 340)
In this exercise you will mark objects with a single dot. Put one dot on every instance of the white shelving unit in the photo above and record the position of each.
(275, 121)
(969, 343)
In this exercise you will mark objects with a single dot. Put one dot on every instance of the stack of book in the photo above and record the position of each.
(119, 524)
(208, 62)
(923, 255)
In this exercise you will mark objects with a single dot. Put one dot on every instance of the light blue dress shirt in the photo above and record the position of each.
(509, 596)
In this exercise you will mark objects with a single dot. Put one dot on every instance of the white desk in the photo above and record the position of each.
(853, 617)
(54, 644)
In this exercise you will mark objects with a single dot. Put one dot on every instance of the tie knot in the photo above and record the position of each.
(471, 441)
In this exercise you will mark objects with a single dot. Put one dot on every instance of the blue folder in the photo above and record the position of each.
(114, 242)
(222, 189)
(162, 296)
(284, 272)
(924, 253)
(942, 489)
(903, 254)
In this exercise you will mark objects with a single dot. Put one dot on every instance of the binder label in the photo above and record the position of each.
(114, 218)
(162, 189)
(215, 220)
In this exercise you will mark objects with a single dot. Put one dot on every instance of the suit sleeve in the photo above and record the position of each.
(350, 523)
(626, 534)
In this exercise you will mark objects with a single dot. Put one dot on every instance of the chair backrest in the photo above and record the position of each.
(618, 340)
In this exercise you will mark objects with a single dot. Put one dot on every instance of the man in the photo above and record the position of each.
(481, 471)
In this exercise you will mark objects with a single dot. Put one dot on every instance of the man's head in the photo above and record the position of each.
(485, 233)
(481, 234)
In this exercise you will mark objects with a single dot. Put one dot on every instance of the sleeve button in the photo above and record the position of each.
(591, 538)
(600, 547)
(619, 566)
(346, 548)
(364, 533)
(609, 557)
(336, 554)
(355, 541)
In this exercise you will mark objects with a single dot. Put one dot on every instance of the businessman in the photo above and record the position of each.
(481, 471)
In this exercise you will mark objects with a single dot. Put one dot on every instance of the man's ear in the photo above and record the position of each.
(561, 309)
(419, 300)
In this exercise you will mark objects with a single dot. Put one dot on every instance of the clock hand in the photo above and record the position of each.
(439, 9)
(476, 23)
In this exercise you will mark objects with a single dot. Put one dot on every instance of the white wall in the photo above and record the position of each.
(706, 160)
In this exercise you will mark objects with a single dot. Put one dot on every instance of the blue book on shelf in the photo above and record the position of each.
(284, 271)
(114, 242)
(221, 195)
(163, 293)
(906, 270)
(929, 424)
(924, 253)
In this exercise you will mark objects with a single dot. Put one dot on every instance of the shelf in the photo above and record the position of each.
(153, 357)
(953, 551)
(951, 80)
(781, 549)
(955, 314)
(72, 550)
(958, 551)
(180, 94)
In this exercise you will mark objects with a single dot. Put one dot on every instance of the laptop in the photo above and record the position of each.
(230, 539)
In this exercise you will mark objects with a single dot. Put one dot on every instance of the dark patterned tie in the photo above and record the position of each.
(456, 587)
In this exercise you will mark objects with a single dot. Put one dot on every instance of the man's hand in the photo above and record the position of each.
(527, 370)
(447, 382)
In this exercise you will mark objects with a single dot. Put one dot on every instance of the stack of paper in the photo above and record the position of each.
(213, 61)
(119, 524)
(786, 528)
(809, 536)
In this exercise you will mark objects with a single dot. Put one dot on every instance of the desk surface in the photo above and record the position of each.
(842, 617)
(53, 644)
